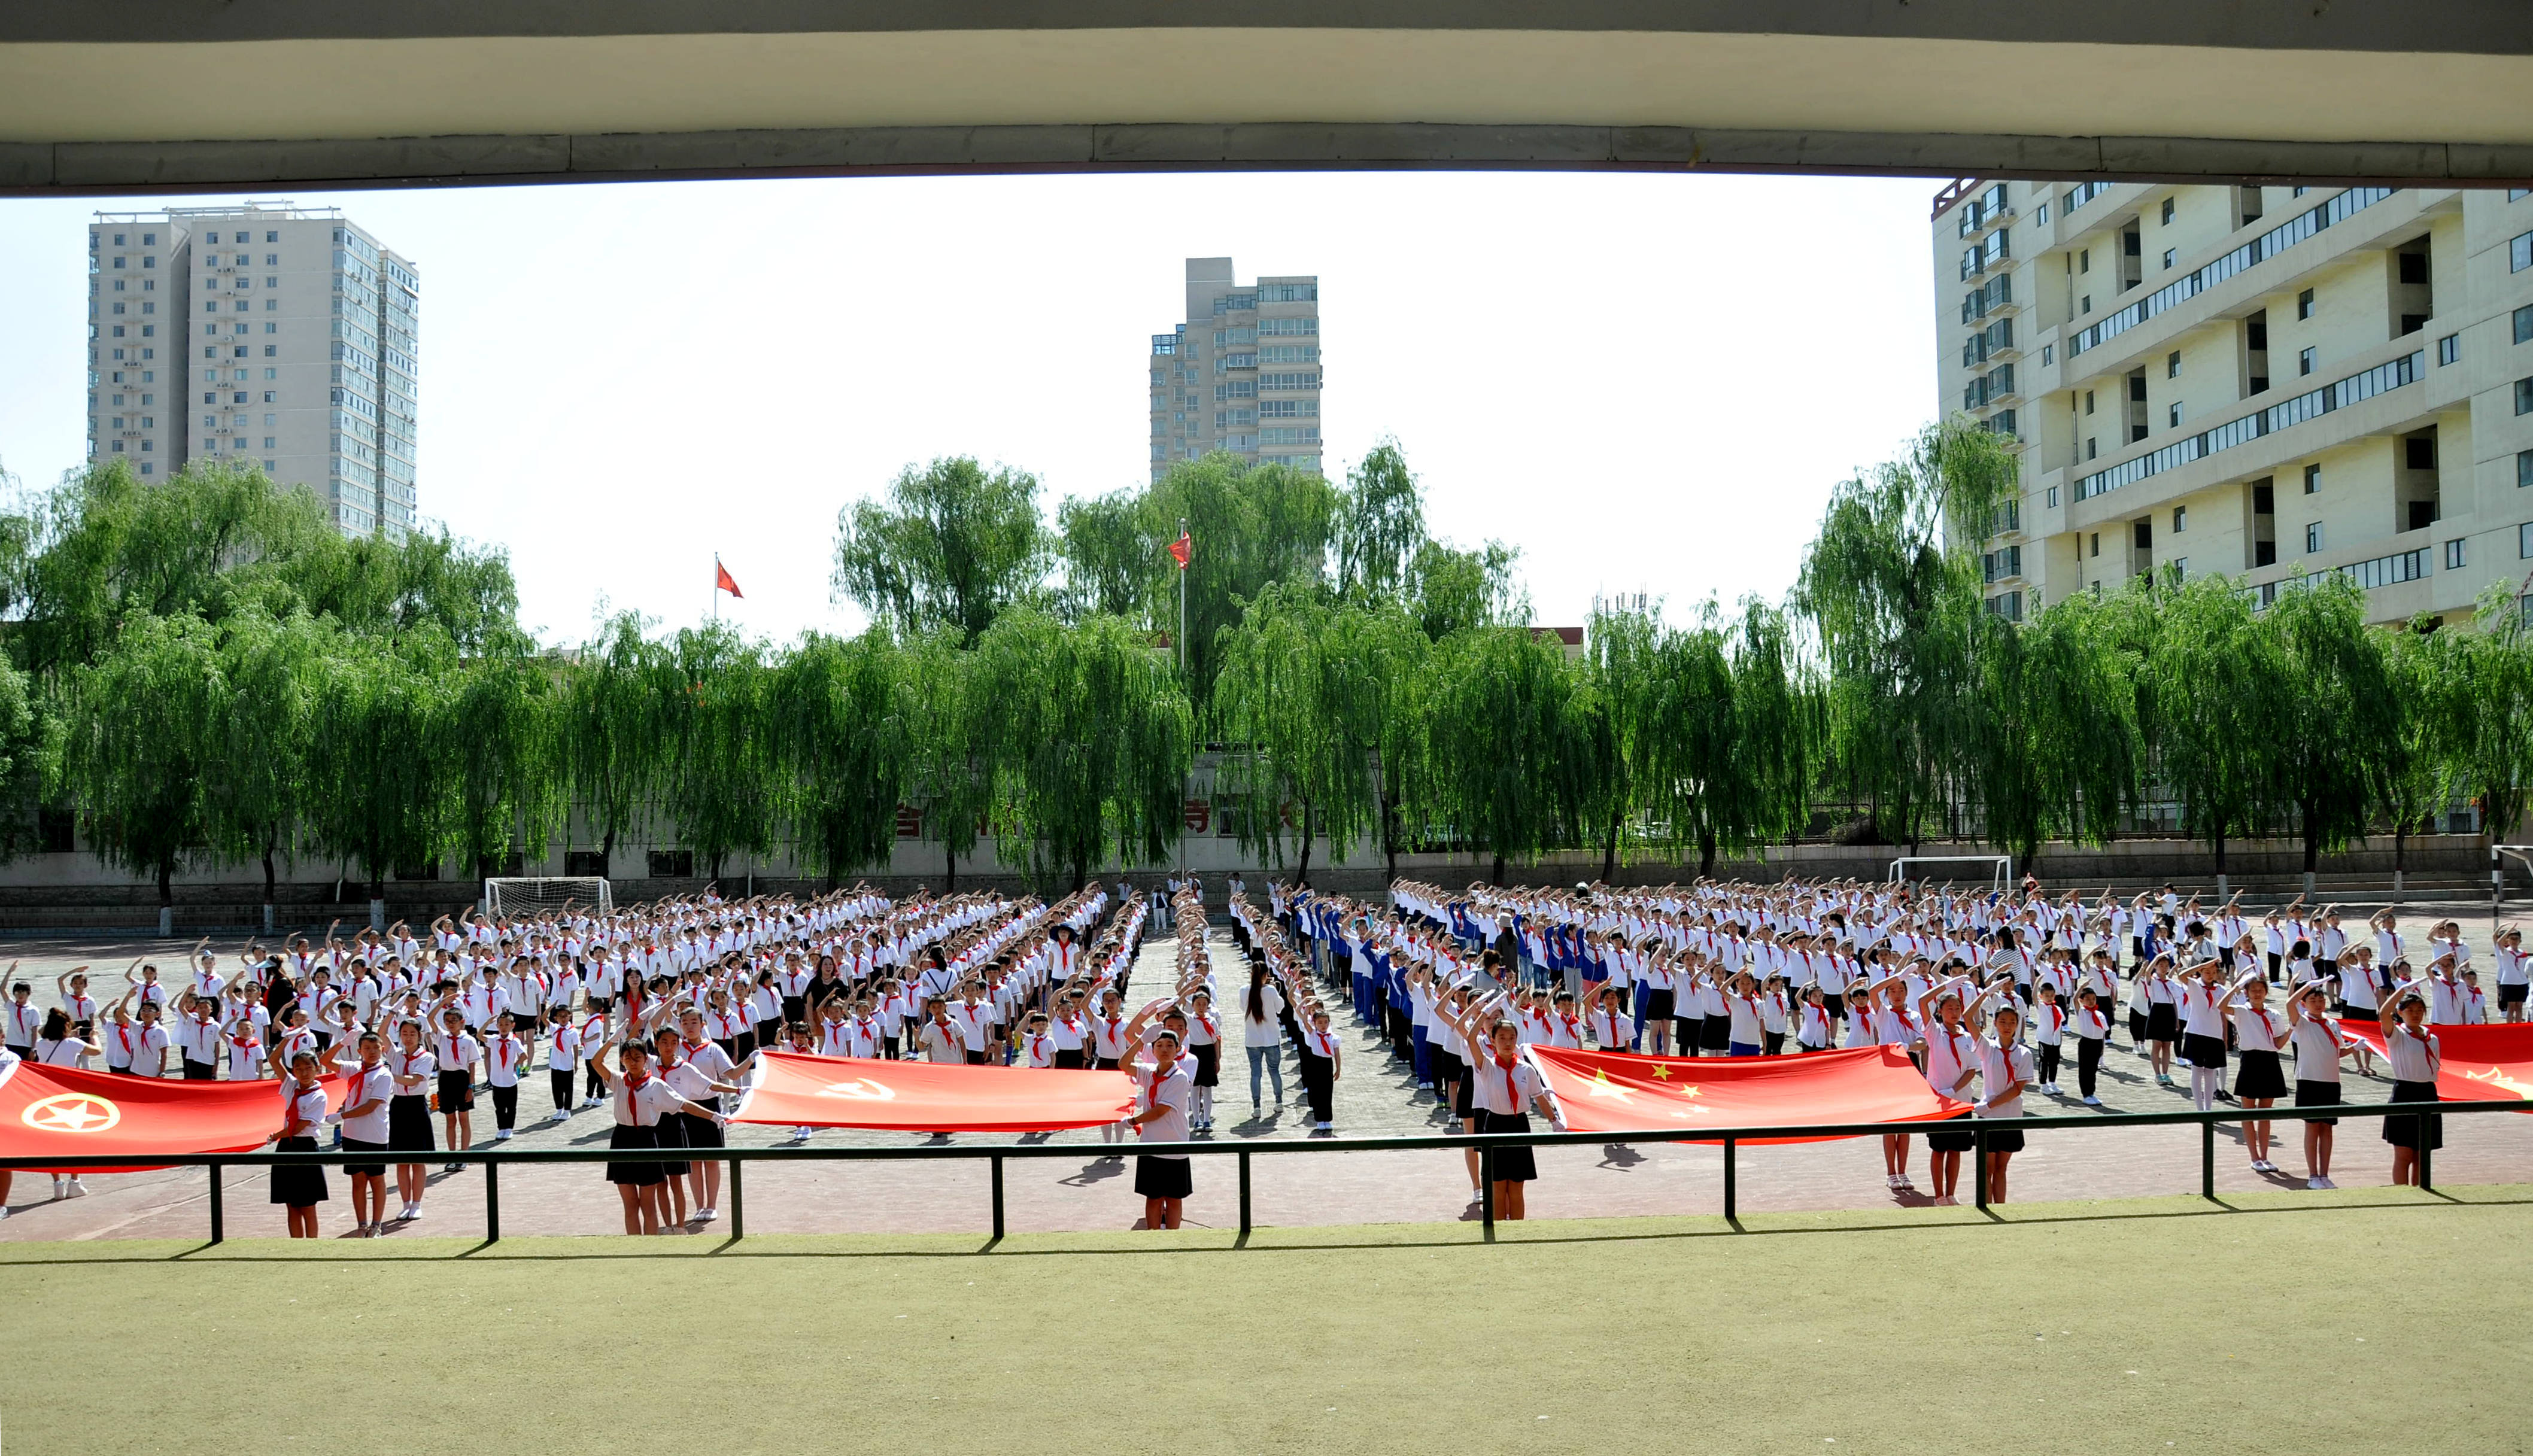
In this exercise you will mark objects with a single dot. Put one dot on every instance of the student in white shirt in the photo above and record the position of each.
(457, 1052)
(2005, 1073)
(1161, 1091)
(411, 1072)
(2319, 1046)
(506, 1055)
(1502, 1088)
(299, 1186)
(640, 1100)
(563, 1060)
(2259, 1080)
(2416, 1057)
(368, 1088)
(2512, 976)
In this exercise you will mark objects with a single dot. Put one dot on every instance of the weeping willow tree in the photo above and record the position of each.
(256, 792)
(1500, 725)
(135, 759)
(708, 692)
(1089, 737)
(948, 779)
(2480, 708)
(2410, 777)
(607, 730)
(1622, 673)
(495, 723)
(1891, 589)
(836, 715)
(2214, 671)
(1285, 693)
(2060, 749)
(379, 794)
(2335, 709)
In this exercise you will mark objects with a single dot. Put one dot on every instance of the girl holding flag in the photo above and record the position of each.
(1502, 1088)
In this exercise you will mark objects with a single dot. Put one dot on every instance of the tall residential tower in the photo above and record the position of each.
(1242, 374)
(262, 332)
(2251, 380)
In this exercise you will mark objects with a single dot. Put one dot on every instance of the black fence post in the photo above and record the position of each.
(218, 1232)
(1731, 1193)
(998, 1195)
(1978, 1165)
(1244, 1193)
(737, 1199)
(2208, 1160)
(492, 1200)
(2427, 1156)
(1486, 1189)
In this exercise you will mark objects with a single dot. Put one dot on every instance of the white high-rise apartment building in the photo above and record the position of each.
(1242, 374)
(2250, 381)
(262, 332)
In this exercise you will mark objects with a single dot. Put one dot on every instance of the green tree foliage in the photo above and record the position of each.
(719, 785)
(497, 723)
(949, 772)
(839, 723)
(2336, 712)
(378, 791)
(260, 732)
(135, 762)
(1380, 526)
(954, 546)
(609, 730)
(1501, 725)
(1090, 741)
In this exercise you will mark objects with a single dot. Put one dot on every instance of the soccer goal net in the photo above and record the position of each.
(529, 897)
(2000, 868)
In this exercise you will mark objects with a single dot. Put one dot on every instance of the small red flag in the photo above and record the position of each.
(1179, 551)
(723, 581)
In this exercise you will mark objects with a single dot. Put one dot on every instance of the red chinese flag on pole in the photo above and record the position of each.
(723, 581)
(1179, 551)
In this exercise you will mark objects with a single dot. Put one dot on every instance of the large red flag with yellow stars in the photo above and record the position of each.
(1618, 1092)
(65, 1111)
(2492, 1063)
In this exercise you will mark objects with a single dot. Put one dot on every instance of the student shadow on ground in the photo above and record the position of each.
(1096, 1171)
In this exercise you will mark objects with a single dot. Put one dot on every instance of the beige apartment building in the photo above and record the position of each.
(2251, 380)
(265, 333)
(1242, 373)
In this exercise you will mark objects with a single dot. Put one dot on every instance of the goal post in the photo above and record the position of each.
(532, 896)
(2000, 866)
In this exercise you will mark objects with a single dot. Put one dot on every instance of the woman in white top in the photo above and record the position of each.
(2259, 1081)
(2416, 1056)
(2319, 1046)
(639, 1100)
(1262, 1027)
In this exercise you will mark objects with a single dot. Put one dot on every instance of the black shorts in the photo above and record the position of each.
(1509, 1164)
(635, 1175)
(365, 1170)
(2317, 1094)
(1162, 1178)
(2259, 1076)
(1955, 1135)
(1716, 1036)
(300, 1185)
(2414, 1132)
(409, 1123)
(2162, 1022)
(456, 1091)
(697, 1132)
(2509, 995)
(1658, 1004)
(2004, 1140)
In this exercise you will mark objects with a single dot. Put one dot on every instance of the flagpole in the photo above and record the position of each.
(716, 589)
(1187, 781)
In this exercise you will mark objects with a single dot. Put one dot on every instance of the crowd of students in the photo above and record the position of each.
(1988, 993)
(656, 1013)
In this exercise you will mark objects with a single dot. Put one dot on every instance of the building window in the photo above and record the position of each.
(2523, 469)
(2053, 496)
(2172, 365)
(2519, 253)
(2168, 211)
(2172, 415)
(2167, 258)
(2089, 443)
(2454, 555)
(2088, 401)
(2305, 360)
(2449, 349)
(2304, 304)
(2180, 568)
(2096, 543)
(2523, 532)
(2048, 352)
(2525, 396)
(2313, 538)
(2180, 519)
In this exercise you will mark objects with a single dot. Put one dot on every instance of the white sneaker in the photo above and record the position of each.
(58, 1185)
(560, 1114)
(2092, 1102)
(502, 1135)
(2328, 1185)
(1946, 1202)
(588, 1102)
(79, 1190)
(706, 1215)
(413, 1211)
(2317, 1183)
(4, 1211)
(1890, 1179)
(800, 1134)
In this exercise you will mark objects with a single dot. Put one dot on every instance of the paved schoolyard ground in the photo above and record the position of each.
(2351, 1321)
(1376, 1098)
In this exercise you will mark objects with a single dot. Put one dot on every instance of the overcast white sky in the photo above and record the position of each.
(1645, 383)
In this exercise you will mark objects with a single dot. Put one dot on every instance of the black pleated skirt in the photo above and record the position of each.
(2259, 1076)
(301, 1186)
(2414, 1132)
(635, 1175)
(1509, 1164)
(409, 1123)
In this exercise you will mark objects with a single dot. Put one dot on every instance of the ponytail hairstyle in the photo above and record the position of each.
(1258, 991)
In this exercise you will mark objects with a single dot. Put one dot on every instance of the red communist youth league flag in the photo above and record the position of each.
(2480, 1063)
(92, 1114)
(794, 1089)
(1616, 1092)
